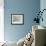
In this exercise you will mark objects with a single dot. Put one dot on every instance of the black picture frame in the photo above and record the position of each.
(17, 19)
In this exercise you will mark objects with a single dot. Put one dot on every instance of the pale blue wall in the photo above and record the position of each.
(26, 7)
(43, 6)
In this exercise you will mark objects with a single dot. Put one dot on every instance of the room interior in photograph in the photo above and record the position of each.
(19, 27)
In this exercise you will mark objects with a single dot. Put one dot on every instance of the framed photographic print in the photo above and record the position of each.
(17, 19)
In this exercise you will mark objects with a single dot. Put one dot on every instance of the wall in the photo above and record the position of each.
(43, 6)
(1, 20)
(26, 7)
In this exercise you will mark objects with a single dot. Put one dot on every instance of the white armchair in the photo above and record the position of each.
(20, 42)
(26, 41)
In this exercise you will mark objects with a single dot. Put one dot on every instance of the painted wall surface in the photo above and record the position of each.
(1, 20)
(43, 6)
(26, 7)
